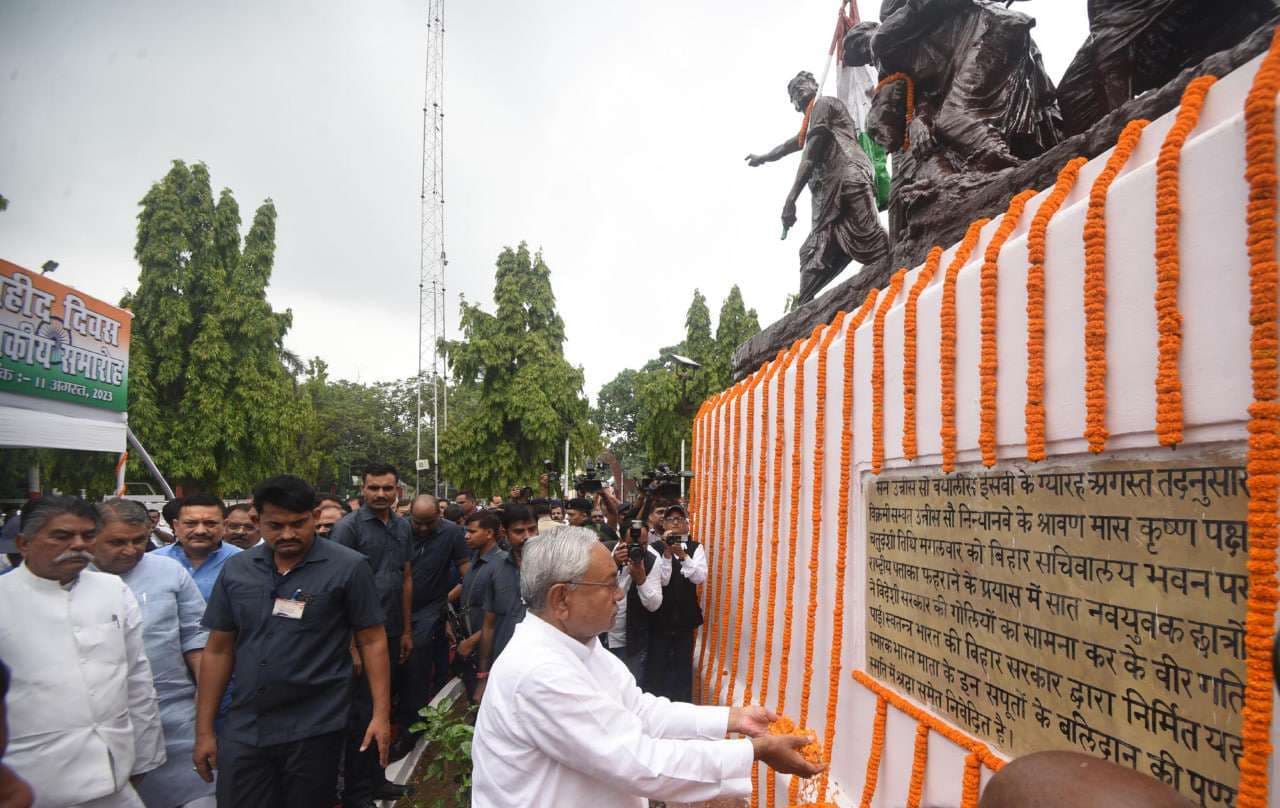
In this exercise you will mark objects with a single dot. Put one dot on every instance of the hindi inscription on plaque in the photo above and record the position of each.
(1097, 607)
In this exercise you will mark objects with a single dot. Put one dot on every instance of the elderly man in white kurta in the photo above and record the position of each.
(83, 719)
(563, 723)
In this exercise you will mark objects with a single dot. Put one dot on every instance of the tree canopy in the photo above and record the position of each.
(646, 413)
(212, 393)
(527, 398)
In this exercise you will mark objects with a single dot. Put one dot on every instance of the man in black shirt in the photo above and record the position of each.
(280, 616)
(482, 540)
(503, 608)
(383, 537)
(439, 546)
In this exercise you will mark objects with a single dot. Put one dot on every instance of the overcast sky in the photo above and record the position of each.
(608, 134)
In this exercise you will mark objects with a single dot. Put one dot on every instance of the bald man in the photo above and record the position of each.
(1073, 779)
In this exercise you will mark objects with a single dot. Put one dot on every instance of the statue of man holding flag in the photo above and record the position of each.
(841, 184)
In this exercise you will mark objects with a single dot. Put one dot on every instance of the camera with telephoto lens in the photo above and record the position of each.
(592, 478)
(662, 482)
(553, 474)
(635, 545)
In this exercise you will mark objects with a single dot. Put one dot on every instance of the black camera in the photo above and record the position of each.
(662, 482)
(635, 545)
(592, 478)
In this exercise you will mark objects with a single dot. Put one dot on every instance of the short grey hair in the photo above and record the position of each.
(561, 554)
(125, 511)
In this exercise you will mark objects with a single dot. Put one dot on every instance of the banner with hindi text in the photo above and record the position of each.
(58, 343)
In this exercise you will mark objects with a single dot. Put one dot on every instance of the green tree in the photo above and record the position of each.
(528, 398)
(212, 391)
(617, 412)
(736, 325)
(668, 393)
(355, 424)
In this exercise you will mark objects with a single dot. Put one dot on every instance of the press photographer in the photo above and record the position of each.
(594, 494)
(640, 578)
(669, 662)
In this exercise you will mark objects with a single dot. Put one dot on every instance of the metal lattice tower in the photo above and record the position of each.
(432, 368)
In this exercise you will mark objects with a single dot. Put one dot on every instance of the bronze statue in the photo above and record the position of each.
(841, 186)
(980, 87)
(981, 101)
(1139, 45)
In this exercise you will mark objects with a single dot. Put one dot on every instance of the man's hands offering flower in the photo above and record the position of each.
(782, 754)
(751, 720)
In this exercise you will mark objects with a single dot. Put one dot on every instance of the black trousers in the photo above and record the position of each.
(298, 774)
(424, 674)
(668, 667)
(362, 772)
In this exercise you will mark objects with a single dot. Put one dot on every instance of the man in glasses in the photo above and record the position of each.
(563, 722)
(239, 528)
(669, 663)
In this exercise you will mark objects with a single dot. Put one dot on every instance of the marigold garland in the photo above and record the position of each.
(1168, 263)
(989, 361)
(909, 445)
(919, 759)
(815, 519)
(980, 753)
(877, 750)
(759, 377)
(762, 482)
(803, 134)
(877, 371)
(776, 511)
(947, 343)
(722, 480)
(713, 471)
(699, 457)
(911, 103)
(779, 444)
(1095, 288)
(971, 784)
(1036, 237)
(797, 438)
(721, 643)
(695, 488)
(1263, 463)
(842, 531)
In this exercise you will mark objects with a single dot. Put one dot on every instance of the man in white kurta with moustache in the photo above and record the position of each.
(83, 718)
(562, 722)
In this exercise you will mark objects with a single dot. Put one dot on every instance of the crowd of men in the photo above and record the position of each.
(276, 652)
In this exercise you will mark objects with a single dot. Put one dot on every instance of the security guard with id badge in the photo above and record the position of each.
(279, 617)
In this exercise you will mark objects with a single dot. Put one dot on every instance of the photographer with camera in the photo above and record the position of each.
(669, 663)
(639, 578)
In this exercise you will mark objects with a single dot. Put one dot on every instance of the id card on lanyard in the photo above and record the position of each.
(291, 608)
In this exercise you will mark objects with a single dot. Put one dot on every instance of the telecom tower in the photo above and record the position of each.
(432, 257)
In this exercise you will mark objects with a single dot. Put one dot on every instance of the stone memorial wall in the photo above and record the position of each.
(1097, 606)
(1023, 498)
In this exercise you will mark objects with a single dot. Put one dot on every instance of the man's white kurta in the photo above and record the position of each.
(563, 723)
(82, 708)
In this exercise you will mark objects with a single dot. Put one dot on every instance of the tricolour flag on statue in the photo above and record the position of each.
(855, 86)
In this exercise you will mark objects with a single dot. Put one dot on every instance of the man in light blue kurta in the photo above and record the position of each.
(199, 547)
(172, 607)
